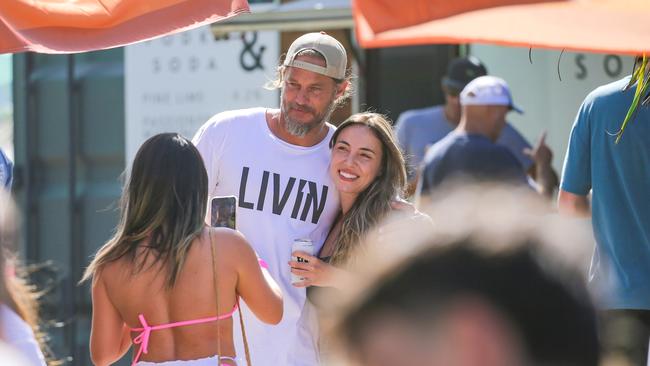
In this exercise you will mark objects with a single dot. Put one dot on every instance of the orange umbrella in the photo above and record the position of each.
(57, 26)
(606, 26)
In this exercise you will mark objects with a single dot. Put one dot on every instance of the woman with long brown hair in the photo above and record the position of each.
(368, 170)
(166, 282)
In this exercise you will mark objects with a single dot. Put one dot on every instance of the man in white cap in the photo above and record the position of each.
(275, 162)
(419, 129)
(470, 151)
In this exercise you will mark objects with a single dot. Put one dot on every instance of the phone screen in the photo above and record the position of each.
(222, 212)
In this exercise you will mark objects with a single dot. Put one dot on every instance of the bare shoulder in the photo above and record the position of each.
(230, 240)
(112, 272)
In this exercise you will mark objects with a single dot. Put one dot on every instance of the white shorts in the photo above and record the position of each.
(208, 361)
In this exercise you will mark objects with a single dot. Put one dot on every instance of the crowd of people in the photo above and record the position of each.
(474, 270)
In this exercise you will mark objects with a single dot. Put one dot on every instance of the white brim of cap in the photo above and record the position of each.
(512, 106)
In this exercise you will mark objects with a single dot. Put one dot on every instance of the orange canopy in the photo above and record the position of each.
(606, 26)
(57, 26)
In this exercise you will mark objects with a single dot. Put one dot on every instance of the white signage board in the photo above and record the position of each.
(550, 104)
(176, 83)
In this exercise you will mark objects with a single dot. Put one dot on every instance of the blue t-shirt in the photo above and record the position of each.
(419, 129)
(469, 156)
(619, 177)
(6, 171)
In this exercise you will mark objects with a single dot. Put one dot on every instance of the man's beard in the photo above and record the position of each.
(300, 129)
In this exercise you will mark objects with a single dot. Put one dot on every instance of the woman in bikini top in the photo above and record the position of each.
(157, 283)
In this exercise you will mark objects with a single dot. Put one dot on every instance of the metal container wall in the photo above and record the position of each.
(69, 141)
(402, 78)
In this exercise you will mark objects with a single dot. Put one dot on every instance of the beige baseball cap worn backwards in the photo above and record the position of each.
(332, 50)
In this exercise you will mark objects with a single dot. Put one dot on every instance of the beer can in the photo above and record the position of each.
(303, 245)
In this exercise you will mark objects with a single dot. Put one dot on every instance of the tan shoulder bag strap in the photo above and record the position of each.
(243, 335)
(213, 249)
(241, 318)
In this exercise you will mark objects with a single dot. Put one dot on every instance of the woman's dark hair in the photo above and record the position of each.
(163, 206)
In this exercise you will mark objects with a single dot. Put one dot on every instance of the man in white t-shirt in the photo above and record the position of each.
(275, 162)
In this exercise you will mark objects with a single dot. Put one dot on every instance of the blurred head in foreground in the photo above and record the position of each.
(495, 281)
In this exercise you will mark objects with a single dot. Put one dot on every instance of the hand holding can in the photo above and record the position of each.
(303, 245)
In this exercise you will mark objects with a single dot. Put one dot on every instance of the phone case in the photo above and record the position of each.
(223, 212)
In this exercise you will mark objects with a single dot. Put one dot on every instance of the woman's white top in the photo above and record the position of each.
(19, 335)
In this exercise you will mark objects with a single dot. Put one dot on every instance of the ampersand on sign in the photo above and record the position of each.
(249, 54)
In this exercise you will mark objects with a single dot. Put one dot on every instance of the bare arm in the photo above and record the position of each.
(546, 178)
(109, 335)
(255, 285)
(542, 171)
(573, 204)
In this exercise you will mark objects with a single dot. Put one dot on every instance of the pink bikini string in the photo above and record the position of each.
(263, 263)
(143, 338)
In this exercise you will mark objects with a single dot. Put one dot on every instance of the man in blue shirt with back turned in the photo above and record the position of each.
(419, 129)
(618, 176)
(470, 152)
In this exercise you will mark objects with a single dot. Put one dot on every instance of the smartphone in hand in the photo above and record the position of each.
(223, 212)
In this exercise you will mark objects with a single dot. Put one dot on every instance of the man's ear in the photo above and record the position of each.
(341, 88)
